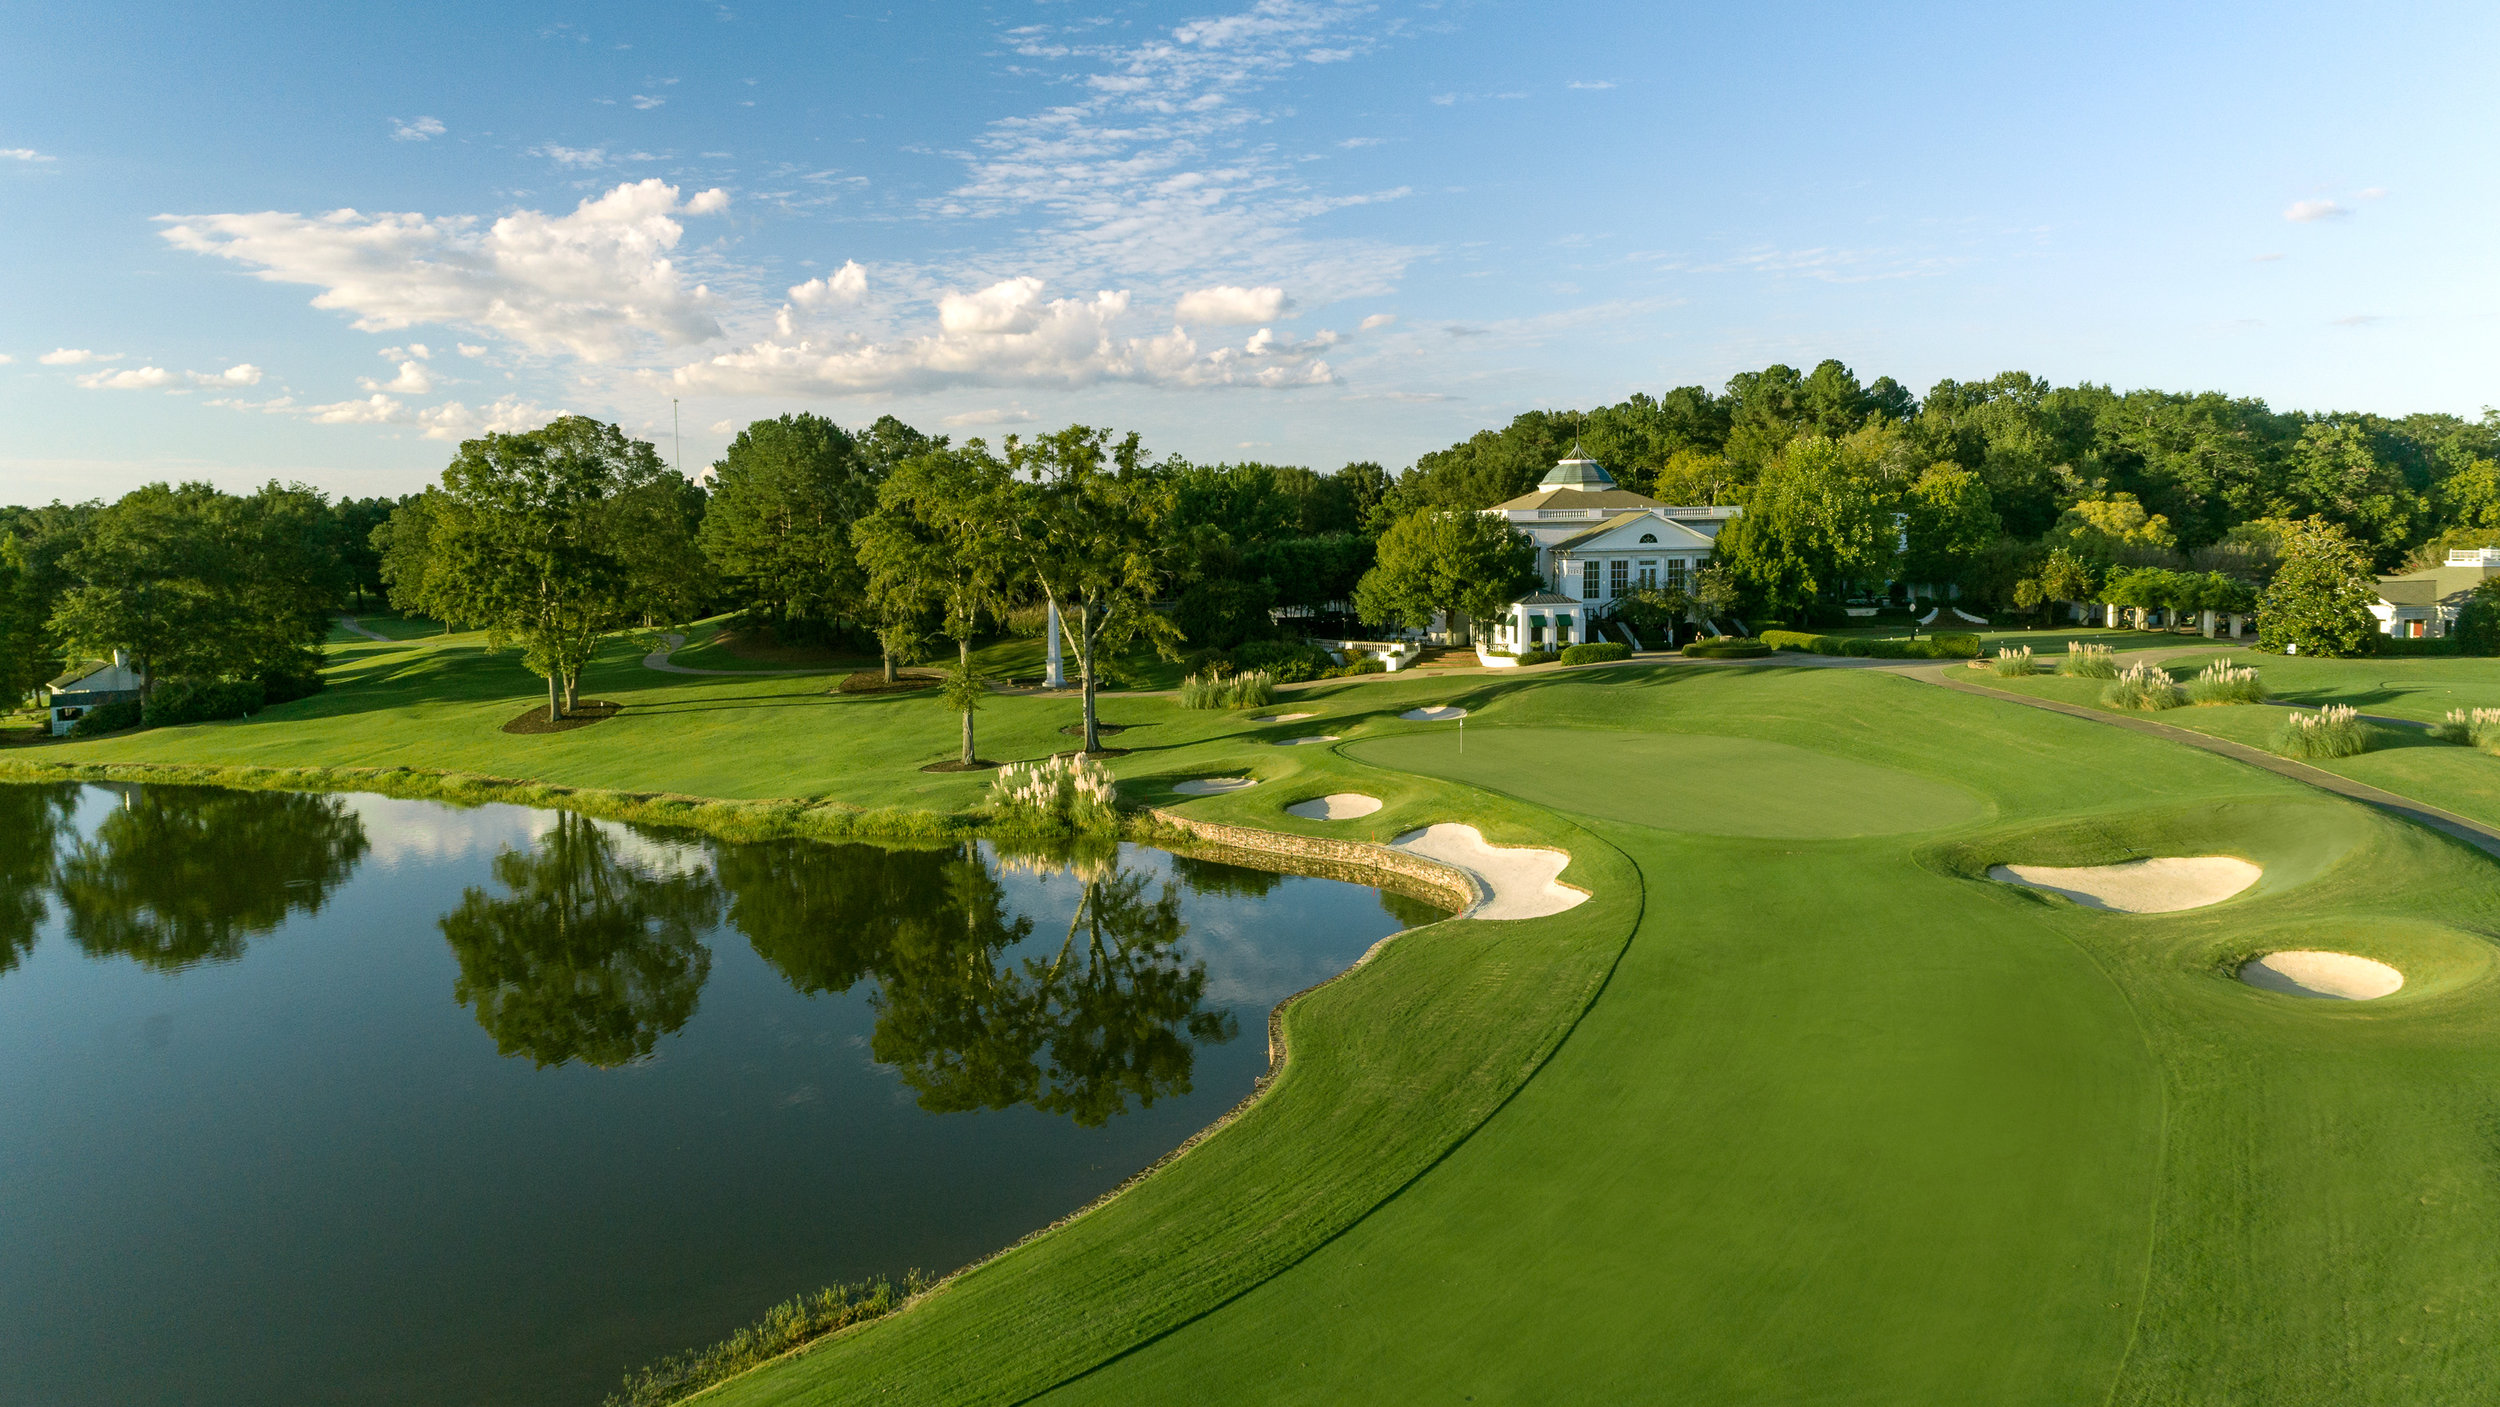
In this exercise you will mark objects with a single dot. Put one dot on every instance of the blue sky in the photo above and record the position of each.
(272, 241)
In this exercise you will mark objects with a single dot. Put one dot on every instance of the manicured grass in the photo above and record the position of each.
(1798, 1108)
(2050, 640)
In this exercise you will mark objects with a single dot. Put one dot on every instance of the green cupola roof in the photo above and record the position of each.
(1577, 471)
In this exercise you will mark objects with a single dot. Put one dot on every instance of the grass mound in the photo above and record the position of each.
(2333, 731)
(581, 715)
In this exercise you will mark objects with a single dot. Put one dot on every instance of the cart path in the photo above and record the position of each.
(358, 627)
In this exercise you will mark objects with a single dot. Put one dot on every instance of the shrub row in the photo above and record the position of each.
(106, 718)
(1933, 647)
(1727, 647)
(201, 701)
(1596, 652)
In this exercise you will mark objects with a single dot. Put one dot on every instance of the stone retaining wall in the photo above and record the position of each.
(1356, 861)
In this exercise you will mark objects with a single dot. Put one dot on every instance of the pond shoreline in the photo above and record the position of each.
(1364, 863)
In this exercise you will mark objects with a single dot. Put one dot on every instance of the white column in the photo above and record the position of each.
(1055, 675)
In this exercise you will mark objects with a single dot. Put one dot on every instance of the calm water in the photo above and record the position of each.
(311, 1099)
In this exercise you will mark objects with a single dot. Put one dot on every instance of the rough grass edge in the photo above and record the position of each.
(770, 819)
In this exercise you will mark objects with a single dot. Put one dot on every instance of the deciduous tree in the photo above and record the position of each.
(2320, 599)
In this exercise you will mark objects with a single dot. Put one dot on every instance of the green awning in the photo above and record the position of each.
(1536, 620)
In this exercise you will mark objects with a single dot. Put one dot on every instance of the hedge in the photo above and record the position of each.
(106, 718)
(2402, 646)
(1726, 647)
(1933, 647)
(201, 701)
(1596, 652)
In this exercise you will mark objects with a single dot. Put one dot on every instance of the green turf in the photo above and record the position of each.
(1721, 785)
(1798, 1109)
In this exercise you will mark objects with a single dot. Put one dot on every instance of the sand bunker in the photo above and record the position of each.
(2304, 972)
(1336, 806)
(1213, 786)
(1284, 718)
(1520, 879)
(1438, 713)
(2157, 886)
(1298, 742)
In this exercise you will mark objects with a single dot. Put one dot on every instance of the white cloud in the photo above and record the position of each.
(76, 356)
(1376, 321)
(241, 374)
(137, 378)
(1228, 305)
(2303, 212)
(1590, 85)
(646, 102)
(452, 420)
(416, 130)
(508, 415)
(413, 380)
(587, 282)
(5, 359)
(1002, 415)
(1351, 143)
(418, 350)
(845, 286)
(470, 350)
(22, 154)
(724, 427)
(1008, 335)
(372, 410)
(580, 158)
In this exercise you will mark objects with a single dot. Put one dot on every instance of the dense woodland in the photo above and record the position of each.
(2013, 493)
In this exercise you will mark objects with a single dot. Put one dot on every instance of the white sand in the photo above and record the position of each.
(1212, 786)
(2157, 886)
(2303, 972)
(1284, 718)
(1520, 879)
(1298, 742)
(1336, 806)
(1438, 713)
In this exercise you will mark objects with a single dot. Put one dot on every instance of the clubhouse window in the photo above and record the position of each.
(1588, 581)
(1620, 576)
(1648, 575)
(1675, 572)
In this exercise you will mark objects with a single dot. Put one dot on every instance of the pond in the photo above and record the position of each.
(314, 1099)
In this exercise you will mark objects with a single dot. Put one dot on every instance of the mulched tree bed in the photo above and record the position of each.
(1077, 730)
(980, 764)
(583, 714)
(873, 681)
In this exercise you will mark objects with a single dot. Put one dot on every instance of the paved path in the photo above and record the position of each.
(671, 642)
(2474, 833)
(358, 627)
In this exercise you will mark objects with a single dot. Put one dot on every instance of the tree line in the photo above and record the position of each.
(2015, 494)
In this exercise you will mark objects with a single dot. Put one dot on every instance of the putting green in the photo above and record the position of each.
(1700, 783)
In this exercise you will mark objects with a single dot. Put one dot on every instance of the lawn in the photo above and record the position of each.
(1798, 1108)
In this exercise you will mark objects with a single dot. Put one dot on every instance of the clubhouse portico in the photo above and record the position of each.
(1597, 541)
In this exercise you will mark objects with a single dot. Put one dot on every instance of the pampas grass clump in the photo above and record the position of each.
(1067, 791)
(2225, 683)
(2470, 727)
(2088, 661)
(2333, 731)
(2013, 663)
(1215, 689)
(2142, 686)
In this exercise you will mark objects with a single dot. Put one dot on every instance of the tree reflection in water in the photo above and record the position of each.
(183, 875)
(31, 818)
(1114, 1014)
(587, 957)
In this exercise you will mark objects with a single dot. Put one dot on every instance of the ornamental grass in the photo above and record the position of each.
(2011, 662)
(2085, 661)
(2478, 727)
(1254, 688)
(2333, 731)
(1067, 792)
(2225, 683)
(2144, 687)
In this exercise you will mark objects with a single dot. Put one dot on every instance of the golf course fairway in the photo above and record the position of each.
(1798, 1107)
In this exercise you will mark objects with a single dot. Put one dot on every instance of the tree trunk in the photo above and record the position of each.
(572, 688)
(1085, 669)
(889, 664)
(963, 660)
(555, 705)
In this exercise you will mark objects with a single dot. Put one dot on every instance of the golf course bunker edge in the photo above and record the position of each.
(1336, 806)
(1522, 879)
(2311, 972)
(1213, 786)
(2162, 885)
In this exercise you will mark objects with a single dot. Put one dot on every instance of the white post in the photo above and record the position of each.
(1055, 675)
